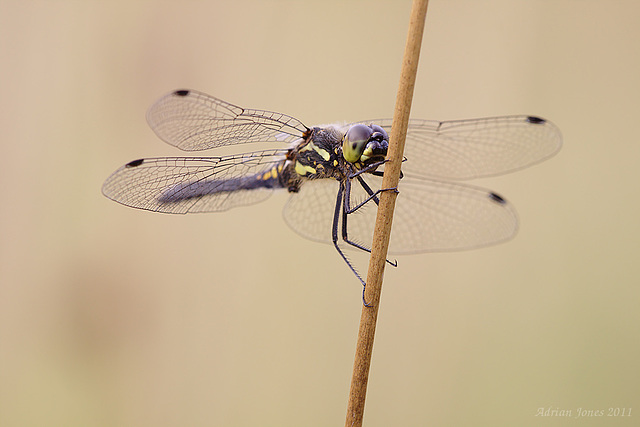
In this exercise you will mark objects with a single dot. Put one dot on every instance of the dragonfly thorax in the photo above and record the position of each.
(338, 152)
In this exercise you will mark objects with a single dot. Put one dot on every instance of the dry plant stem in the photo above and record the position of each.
(359, 379)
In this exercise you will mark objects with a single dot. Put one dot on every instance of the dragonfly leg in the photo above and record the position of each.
(334, 238)
(346, 211)
(373, 195)
(364, 301)
(375, 166)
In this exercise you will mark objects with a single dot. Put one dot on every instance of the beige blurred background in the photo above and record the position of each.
(111, 316)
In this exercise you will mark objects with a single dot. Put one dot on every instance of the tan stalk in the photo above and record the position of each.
(364, 347)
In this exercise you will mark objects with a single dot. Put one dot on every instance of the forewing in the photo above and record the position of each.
(466, 149)
(190, 184)
(193, 121)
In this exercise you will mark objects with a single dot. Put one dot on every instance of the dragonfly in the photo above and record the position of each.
(333, 173)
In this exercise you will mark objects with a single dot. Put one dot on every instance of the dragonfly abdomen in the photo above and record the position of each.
(270, 179)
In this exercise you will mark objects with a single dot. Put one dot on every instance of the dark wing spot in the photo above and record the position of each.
(181, 93)
(535, 120)
(134, 163)
(497, 198)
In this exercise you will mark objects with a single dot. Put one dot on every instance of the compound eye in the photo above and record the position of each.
(355, 142)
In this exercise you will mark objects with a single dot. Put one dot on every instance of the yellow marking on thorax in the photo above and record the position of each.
(311, 146)
(303, 170)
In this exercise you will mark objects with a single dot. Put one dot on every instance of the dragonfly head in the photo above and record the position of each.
(362, 143)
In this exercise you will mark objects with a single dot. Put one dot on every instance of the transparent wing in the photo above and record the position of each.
(466, 149)
(309, 212)
(192, 184)
(193, 121)
(430, 215)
